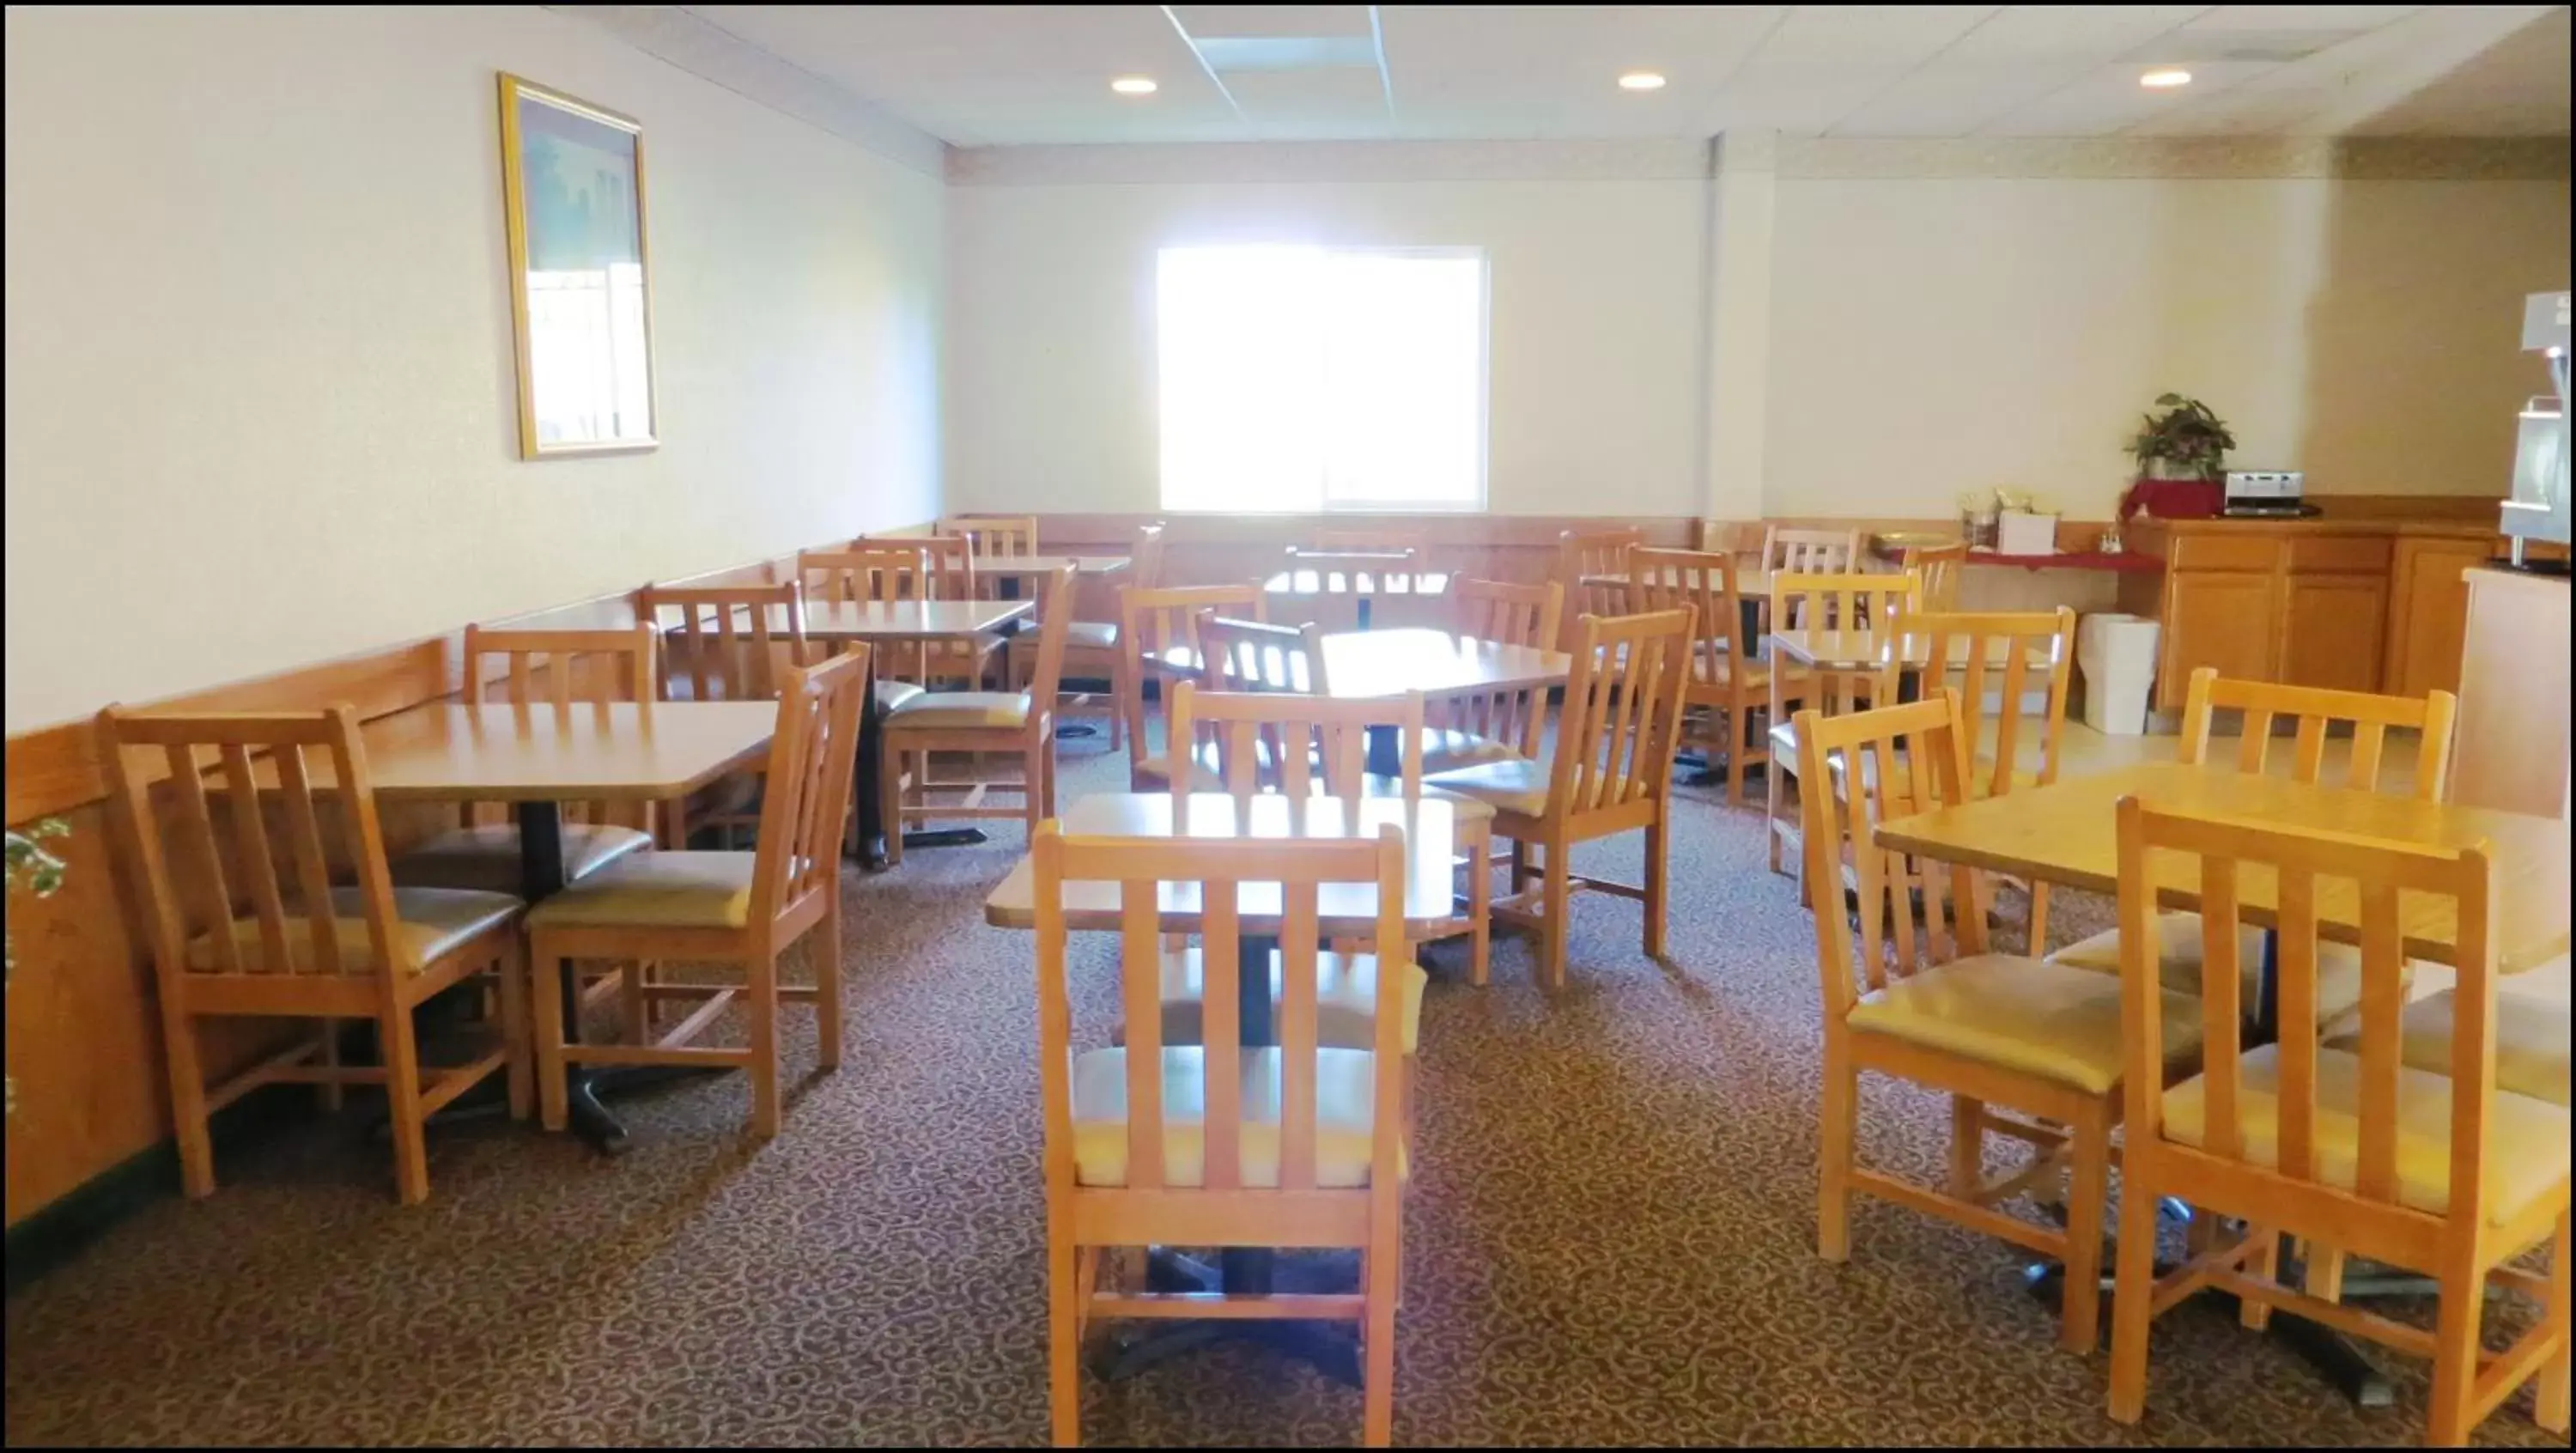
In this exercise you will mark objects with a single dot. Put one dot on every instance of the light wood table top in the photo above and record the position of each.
(1870, 650)
(1026, 566)
(1366, 665)
(624, 751)
(907, 620)
(1341, 908)
(2068, 832)
(1358, 582)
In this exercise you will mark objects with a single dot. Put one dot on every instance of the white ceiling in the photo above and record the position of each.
(994, 75)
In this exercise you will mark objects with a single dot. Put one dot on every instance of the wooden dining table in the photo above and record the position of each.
(538, 757)
(1372, 665)
(2067, 833)
(1342, 910)
(1356, 589)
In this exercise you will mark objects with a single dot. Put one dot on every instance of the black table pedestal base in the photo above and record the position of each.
(1332, 1348)
(943, 837)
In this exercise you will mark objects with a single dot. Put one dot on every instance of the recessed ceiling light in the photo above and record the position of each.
(2166, 79)
(1642, 81)
(1134, 85)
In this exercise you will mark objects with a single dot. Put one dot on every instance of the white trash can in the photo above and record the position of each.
(2117, 654)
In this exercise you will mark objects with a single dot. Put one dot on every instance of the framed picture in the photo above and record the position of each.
(572, 186)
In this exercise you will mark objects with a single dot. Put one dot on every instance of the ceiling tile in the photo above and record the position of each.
(1202, 21)
(1312, 105)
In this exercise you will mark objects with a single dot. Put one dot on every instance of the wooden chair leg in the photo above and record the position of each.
(545, 999)
(2455, 1352)
(1556, 882)
(1480, 911)
(1033, 806)
(2549, 1397)
(890, 800)
(515, 1034)
(2038, 920)
(827, 989)
(2264, 1264)
(1840, 1121)
(1967, 1145)
(765, 1113)
(2080, 1325)
(187, 1097)
(1383, 1266)
(2324, 1271)
(1064, 1332)
(402, 1088)
(1658, 882)
(631, 1002)
(1771, 794)
(2133, 1291)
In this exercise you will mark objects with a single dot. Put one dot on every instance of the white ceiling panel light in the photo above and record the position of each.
(2165, 78)
(1641, 80)
(1134, 86)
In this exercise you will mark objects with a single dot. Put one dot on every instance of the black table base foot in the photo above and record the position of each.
(1076, 729)
(943, 837)
(591, 1120)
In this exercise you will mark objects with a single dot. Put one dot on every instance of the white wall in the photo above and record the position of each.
(260, 389)
(1594, 331)
(1932, 336)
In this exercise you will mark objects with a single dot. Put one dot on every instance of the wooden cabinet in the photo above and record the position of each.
(2206, 615)
(2428, 610)
(2331, 630)
(2511, 751)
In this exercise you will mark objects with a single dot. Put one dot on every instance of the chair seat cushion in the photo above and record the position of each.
(1096, 635)
(661, 890)
(2527, 1154)
(892, 694)
(486, 858)
(1513, 784)
(429, 924)
(2180, 954)
(1446, 747)
(1345, 1095)
(2531, 1038)
(2020, 1014)
(1004, 710)
(1345, 998)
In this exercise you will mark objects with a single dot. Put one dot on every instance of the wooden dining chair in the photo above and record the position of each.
(953, 576)
(870, 570)
(730, 643)
(1810, 552)
(1968, 651)
(1495, 725)
(1347, 587)
(1938, 569)
(1153, 621)
(2025, 1049)
(558, 671)
(993, 537)
(978, 723)
(728, 908)
(2440, 1172)
(1611, 772)
(1729, 683)
(1091, 649)
(304, 949)
(1217, 1144)
(1583, 557)
(1241, 655)
(1821, 603)
(2182, 945)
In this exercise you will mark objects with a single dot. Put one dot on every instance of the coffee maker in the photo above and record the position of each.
(2537, 509)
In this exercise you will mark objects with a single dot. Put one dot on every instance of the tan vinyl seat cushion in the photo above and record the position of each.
(1095, 635)
(429, 923)
(659, 890)
(1446, 747)
(1345, 1094)
(1345, 998)
(2527, 1154)
(2020, 1014)
(948, 710)
(1515, 784)
(2531, 1037)
(892, 694)
(486, 858)
(2180, 953)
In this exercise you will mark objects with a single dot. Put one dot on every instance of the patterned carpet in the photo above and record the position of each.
(1609, 1241)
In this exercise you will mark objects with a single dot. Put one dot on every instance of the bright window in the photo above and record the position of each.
(1307, 379)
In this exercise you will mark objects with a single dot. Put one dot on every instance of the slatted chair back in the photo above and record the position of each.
(1660, 580)
(1512, 614)
(1145, 558)
(1586, 563)
(1162, 1153)
(1992, 657)
(870, 570)
(1802, 601)
(952, 568)
(246, 796)
(726, 643)
(1810, 552)
(995, 537)
(1893, 761)
(1153, 622)
(1939, 568)
(2266, 1117)
(1270, 741)
(1243, 655)
(805, 799)
(563, 670)
(1622, 715)
(2314, 710)
(1375, 542)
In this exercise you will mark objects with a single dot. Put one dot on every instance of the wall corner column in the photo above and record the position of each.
(1743, 172)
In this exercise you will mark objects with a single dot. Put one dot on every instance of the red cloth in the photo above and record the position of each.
(2173, 499)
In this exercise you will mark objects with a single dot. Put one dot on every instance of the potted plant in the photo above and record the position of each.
(2185, 441)
(40, 873)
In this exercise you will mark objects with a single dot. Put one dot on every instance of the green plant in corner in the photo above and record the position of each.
(2187, 439)
(40, 873)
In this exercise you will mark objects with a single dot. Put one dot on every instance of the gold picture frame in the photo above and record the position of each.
(581, 294)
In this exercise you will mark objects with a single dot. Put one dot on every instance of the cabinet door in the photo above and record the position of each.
(2220, 618)
(2332, 627)
(2428, 615)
